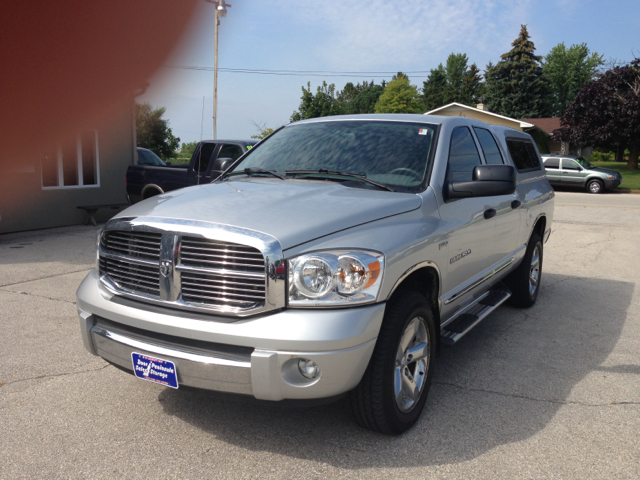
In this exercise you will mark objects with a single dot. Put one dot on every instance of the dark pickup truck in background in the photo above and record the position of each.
(151, 176)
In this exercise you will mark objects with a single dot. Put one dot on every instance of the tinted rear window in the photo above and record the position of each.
(553, 163)
(524, 155)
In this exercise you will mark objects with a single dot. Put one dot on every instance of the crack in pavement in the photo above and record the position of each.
(35, 295)
(55, 375)
(42, 278)
(534, 399)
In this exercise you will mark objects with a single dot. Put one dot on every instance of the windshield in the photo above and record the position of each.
(584, 163)
(391, 153)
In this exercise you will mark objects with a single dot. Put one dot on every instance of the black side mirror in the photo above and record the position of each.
(167, 163)
(221, 164)
(487, 181)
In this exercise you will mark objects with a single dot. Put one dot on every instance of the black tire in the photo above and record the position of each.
(595, 186)
(373, 401)
(520, 280)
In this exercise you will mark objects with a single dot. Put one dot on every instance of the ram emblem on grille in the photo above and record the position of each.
(165, 268)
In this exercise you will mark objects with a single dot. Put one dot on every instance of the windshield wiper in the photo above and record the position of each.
(362, 178)
(252, 171)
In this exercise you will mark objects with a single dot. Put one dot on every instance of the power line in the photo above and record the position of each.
(299, 73)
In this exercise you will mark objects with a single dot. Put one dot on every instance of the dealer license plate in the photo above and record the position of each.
(155, 370)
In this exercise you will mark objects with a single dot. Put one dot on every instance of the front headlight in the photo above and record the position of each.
(611, 177)
(335, 277)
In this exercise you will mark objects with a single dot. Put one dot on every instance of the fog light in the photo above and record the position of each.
(308, 368)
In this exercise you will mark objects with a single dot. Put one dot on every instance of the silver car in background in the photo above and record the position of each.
(574, 171)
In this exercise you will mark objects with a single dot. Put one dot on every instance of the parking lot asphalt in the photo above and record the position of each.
(552, 391)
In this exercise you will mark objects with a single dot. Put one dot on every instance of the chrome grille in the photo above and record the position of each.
(219, 290)
(221, 273)
(209, 274)
(197, 252)
(133, 244)
(131, 276)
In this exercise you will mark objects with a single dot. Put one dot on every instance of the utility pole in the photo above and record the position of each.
(221, 11)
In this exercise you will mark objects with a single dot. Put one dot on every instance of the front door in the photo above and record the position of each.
(572, 175)
(470, 235)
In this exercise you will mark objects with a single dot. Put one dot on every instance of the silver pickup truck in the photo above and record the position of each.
(335, 257)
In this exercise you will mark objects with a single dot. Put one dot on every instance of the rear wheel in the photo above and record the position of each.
(595, 186)
(524, 282)
(393, 390)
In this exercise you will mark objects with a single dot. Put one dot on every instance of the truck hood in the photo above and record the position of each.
(293, 211)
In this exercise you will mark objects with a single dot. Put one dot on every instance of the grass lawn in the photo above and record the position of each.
(630, 178)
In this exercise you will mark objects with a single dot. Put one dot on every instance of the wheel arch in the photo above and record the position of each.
(149, 188)
(425, 279)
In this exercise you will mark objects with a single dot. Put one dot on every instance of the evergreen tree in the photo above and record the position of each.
(400, 97)
(472, 87)
(456, 70)
(456, 82)
(516, 86)
(433, 88)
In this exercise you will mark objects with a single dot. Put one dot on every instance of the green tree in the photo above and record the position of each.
(188, 148)
(516, 86)
(263, 130)
(568, 70)
(473, 87)
(322, 104)
(399, 97)
(365, 101)
(433, 88)
(456, 71)
(457, 82)
(153, 131)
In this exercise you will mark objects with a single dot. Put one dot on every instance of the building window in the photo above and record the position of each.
(74, 164)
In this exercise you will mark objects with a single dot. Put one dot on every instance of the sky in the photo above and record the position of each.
(355, 36)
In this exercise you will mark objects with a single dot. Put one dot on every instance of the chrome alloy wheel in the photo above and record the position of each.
(594, 187)
(412, 363)
(534, 271)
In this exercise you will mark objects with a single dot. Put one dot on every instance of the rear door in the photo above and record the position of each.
(552, 169)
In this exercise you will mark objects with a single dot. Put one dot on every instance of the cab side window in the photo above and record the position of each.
(523, 154)
(489, 146)
(463, 156)
(552, 163)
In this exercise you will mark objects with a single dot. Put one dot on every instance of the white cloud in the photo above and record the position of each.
(374, 34)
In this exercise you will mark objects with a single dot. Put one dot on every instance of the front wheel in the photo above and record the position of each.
(595, 186)
(393, 390)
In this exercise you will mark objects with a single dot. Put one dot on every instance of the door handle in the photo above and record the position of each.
(489, 213)
(515, 204)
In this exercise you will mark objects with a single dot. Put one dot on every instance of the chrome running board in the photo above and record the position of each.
(462, 324)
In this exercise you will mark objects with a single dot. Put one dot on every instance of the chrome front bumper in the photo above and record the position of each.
(253, 356)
